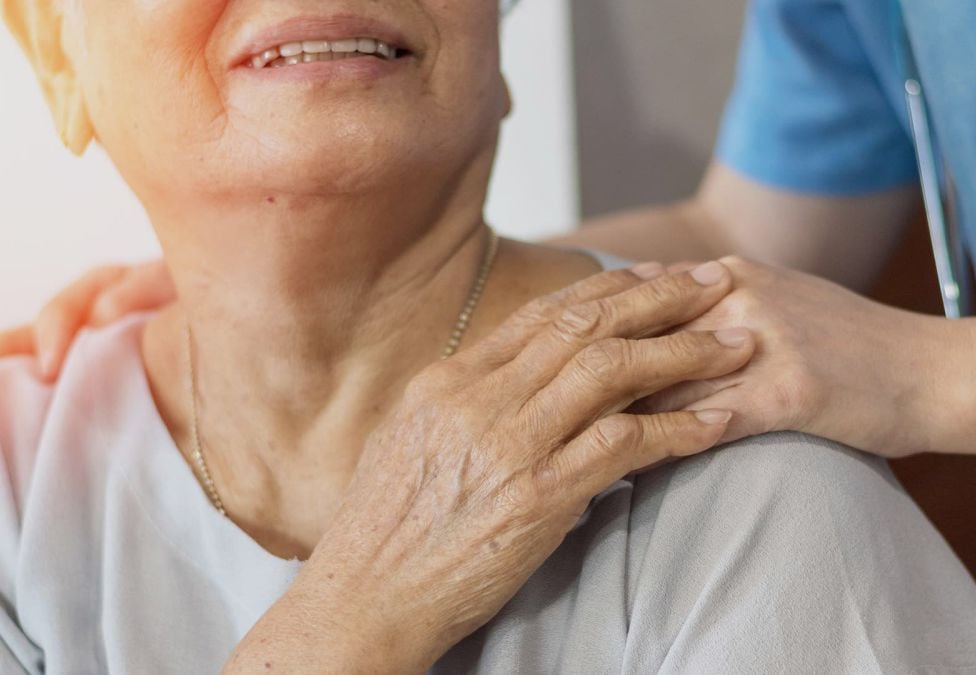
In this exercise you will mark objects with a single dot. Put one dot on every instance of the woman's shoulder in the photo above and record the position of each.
(777, 486)
(798, 533)
(25, 398)
(775, 553)
(30, 406)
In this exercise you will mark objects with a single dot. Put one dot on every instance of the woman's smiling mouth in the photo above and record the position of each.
(309, 51)
(367, 43)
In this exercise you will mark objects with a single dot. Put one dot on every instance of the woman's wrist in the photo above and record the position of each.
(308, 630)
(337, 618)
(948, 388)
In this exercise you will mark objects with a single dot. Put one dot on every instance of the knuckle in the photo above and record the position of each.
(601, 361)
(582, 321)
(538, 311)
(674, 436)
(599, 285)
(616, 434)
(524, 497)
(667, 292)
(795, 394)
(430, 382)
(743, 303)
(660, 428)
(612, 281)
(686, 349)
(548, 477)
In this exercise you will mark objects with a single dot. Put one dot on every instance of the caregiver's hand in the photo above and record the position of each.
(100, 297)
(832, 363)
(488, 462)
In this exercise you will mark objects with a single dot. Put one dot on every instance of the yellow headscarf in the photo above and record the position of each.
(38, 26)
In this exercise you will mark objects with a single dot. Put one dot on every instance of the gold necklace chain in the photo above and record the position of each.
(460, 328)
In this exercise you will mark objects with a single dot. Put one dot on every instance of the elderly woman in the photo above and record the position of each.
(280, 473)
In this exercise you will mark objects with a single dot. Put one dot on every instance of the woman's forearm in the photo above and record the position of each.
(350, 609)
(317, 628)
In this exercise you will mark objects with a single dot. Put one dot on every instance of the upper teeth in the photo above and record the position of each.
(320, 50)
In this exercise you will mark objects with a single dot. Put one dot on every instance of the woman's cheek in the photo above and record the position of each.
(147, 79)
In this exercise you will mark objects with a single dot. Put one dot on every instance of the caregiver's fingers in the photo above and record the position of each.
(643, 311)
(142, 287)
(621, 444)
(506, 341)
(609, 375)
(61, 319)
(18, 340)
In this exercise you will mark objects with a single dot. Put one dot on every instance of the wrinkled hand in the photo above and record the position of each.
(100, 297)
(835, 364)
(488, 462)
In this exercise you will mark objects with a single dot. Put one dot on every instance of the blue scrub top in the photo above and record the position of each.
(819, 102)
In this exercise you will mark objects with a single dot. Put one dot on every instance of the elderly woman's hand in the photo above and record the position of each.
(488, 463)
(835, 364)
(100, 297)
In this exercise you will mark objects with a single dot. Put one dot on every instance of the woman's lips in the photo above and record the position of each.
(309, 51)
(341, 34)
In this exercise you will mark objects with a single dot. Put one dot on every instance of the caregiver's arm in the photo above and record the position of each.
(835, 364)
(844, 239)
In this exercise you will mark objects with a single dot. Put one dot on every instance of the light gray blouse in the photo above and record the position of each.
(783, 553)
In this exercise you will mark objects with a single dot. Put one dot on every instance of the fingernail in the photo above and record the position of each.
(708, 274)
(732, 337)
(714, 416)
(648, 270)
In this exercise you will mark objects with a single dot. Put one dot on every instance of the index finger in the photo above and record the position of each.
(646, 310)
(511, 337)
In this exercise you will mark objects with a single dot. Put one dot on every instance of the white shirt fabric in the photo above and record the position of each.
(782, 553)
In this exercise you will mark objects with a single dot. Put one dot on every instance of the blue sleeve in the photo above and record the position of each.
(808, 112)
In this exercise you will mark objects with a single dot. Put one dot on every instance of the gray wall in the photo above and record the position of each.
(651, 80)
